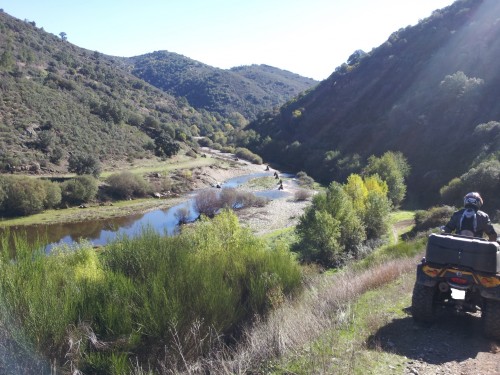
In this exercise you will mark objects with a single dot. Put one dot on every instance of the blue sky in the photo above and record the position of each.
(308, 37)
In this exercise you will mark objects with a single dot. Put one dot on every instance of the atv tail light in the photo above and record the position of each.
(459, 281)
(431, 271)
(489, 282)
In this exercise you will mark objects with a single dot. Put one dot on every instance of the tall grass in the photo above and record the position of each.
(140, 298)
(294, 334)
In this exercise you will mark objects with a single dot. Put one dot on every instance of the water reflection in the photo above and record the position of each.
(100, 232)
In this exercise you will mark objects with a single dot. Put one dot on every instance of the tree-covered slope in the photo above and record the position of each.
(425, 92)
(57, 99)
(245, 90)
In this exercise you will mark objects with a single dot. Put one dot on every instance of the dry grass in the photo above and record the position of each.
(324, 306)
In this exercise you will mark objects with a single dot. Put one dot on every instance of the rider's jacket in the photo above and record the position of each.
(468, 221)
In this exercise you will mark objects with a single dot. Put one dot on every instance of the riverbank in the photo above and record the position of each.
(204, 172)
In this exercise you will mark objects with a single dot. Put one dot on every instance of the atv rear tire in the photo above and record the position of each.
(423, 303)
(491, 319)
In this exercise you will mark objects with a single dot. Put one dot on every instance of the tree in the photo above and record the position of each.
(392, 167)
(53, 194)
(23, 195)
(356, 189)
(376, 214)
(330, 231)
(356, 57)
(165, 146)
(84, 164)
(320, 234)
(369, 197)
(63, 35)
(79, 190)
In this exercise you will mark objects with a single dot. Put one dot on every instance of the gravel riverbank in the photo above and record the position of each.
(279, 213)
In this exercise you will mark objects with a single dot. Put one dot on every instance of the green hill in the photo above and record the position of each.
(430, 91)
(57, 99)
(245, 90)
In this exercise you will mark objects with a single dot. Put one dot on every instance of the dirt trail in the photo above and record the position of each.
(453, 345)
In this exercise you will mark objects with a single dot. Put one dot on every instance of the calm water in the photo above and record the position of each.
(100, 232)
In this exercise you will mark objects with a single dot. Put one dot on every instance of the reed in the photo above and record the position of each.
(140, 298)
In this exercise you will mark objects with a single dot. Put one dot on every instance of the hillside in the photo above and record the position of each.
(241, 91)
(430, 91)
(57, 99)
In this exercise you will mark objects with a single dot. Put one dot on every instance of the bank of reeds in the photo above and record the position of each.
(141, 303)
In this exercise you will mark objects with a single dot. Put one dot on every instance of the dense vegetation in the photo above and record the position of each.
(59, 101)
(430, 92)
(238, 94)
(152, 298)
(347, 221)
(410, 109)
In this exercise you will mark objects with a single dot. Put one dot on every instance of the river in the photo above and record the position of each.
(101, 232)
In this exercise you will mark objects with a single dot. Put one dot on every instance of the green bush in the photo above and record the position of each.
(432, 218)
(22, 195)
(246, 154)
(376, 215)
(82, 164)
(330, 232)
(393, 168)
(142, 294)
(125, 185)
(79, 190)
(305, 180)
(484, 178)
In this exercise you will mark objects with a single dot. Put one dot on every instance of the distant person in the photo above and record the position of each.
(280, 187)
(276, 175)
(267, 168)
(470, 221)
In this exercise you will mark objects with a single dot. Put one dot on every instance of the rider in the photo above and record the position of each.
(470, 221)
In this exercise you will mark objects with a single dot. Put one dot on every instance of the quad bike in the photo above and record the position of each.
(455, 265)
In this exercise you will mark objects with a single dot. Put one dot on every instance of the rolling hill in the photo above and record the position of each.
(58, 99)
(244, 90)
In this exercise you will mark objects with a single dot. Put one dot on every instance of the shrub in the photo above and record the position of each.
(79, 190)
(304, 180)
(228, 149)
(432, 218)
(376, 214)
(246, 154)
(484, 178)
(302, 195)
(56, 155)
(330, 231)
(191, 153)
(53, 195)
(205, 142)
(142, 294)
(125, 185)
(207, 203)
(233, 198)
(82, 164)
(23, 195)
